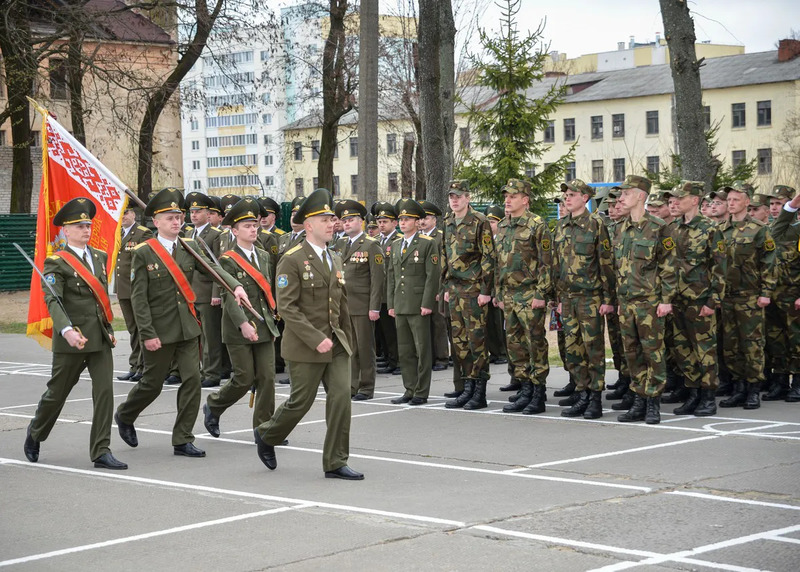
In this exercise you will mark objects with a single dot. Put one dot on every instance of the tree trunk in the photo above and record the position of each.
(406, 170)
(437, 82)
(75, 84)
(690, 122)
(368, 103)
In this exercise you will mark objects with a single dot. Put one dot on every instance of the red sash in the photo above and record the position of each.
(255, 275)
(97, 288)
(177, 274)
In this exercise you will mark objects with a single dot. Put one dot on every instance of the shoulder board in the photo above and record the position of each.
(215, 229)
(138, 246)
(478, 215)
(189, 239)
(226, 231)
(224, 257)
(54, 257)
(188, 227)
(758, 222)
(370, 239)
(143, 228)
(424, 236)
(279, 231)
(295, 248)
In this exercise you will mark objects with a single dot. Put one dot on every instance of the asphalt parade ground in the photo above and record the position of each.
(444, 489)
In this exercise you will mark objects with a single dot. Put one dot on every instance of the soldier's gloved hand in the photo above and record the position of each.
(249, 332)
(762, 302)
(216, 301)
(241, 296)
(484, 299)
(663, 310)
(705, 312)
(606, 309)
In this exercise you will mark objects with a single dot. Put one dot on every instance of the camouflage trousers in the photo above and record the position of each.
(585, 342)
(743, 323)
(783, 334)
(694, 348)
(526, 341)
(615, 340)
(468, 330)
(643, 338)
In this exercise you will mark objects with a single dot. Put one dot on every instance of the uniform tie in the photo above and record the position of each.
(175, 250)
(253, 259)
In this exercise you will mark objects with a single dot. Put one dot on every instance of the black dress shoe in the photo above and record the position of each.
(387, 369)
(401, 399)
(397, 371)
(127, 432)
(211, 422)
(108, 461)
(284, 381)
(127, 376)
(501, 360)
(345, 473)
(226, 374)
(188, 450)
(137, 376)
(439, 367)
(418, 401)
(361, 397)
(209, 383)
(172, 380)
(265, 452)
(31, 447)
(280, 368)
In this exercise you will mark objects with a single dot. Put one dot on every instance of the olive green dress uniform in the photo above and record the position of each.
(312, 302)
(162, 312)
(439, 336)
(386, 324)
(122, 282)
(365, 282)
(412, 282)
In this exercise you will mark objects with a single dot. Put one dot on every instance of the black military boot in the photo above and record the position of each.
(595, 408)
(725, 384)
(621, 389)
(679, 391)
(614, 385)
(707, 405)
(515, 385)
(567, 390)
(673, 381)
(753, 400)
(513, 398)
(794, 392)
(522, 401)
(466, 395)
(537, 401)
(626, 403)
(636, 412)
(692, 400)
(569, 401)
(653, 414)
(779, 389)
(478, 400)
(579, 406)
(738, 397)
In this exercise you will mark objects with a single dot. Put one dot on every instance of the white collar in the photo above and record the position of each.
(199, 229)
(352, 240)
(409, 238)
(318, 250)
(168, 244)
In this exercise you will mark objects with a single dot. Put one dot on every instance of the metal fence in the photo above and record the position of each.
(15, 272)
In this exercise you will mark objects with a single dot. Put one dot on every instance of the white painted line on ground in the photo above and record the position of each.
(784, 539)
(675, 556)
(613, 453)
(706, 496)
(120, 395)
(145, 536)
(314, 422)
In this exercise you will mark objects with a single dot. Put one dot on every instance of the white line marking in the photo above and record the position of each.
(147, 535)
(784, 539)
(733, 499)
(67, 401)
(315, 421)
(612, 453)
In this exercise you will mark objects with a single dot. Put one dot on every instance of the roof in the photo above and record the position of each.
(124, 24)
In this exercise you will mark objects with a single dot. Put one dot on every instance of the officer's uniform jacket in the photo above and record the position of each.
(364, 273)
(203, 285)
(413, 276)
(122, 273)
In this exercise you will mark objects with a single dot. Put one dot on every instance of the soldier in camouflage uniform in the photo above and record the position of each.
(468, 280)
(646, 282)
(759, 208)
(522, 284)
(783, 315)
(495, 329)
(750, 284)
(583, 277)
(658, 206)
(700, 264)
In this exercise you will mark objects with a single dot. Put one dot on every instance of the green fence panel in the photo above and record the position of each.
(15, 272)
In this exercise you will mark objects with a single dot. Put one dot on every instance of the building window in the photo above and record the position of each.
(269, 181)
(569, 130)
(653, 164)
(336, 185)
(2, 138)
(391, 143)
(598, 173)
(196, 185)
(463, 134)
(315, 150)
(194, 124)
(266, 118)
(36, 138)
(569, 173)
(315, 182)
(738, 118)
(354, 185)
(195, 145)
(354, 146)
(58, 79)
(195, 165)
(618, 125)
(484, 137)
(298, 151)
(597, 127)
(530, 172)
(393, 188)
(738, 158)
(707, 116)
(764, 161)
(652, 122)
(264, 55)
(267, 140)
(298, 187)
(619, 169)
(550, 132)
(764, 110)
(267, 160)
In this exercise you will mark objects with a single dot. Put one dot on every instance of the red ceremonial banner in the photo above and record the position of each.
(70, 171)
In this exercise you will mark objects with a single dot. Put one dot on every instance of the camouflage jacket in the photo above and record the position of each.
(523, 259)
(699, 260)
(470, 254)
(786, 232)
(644, 256)
(583, 264)
(750, 252)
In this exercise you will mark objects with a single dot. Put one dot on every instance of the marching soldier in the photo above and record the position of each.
(386, 218)
(646, 282)
(268, 222)
(412, 283)
(163, 302)
(82, 335)
(439, 337)
(132, 235)
(250, 343)
(317, 342)
(365, 279)
(468, 284)
(750, 284)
